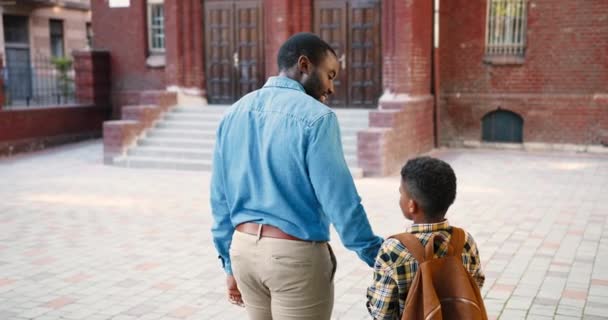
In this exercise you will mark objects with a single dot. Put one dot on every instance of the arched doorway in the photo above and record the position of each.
(502, 126)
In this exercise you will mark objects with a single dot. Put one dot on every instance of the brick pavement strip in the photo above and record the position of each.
(80, 240)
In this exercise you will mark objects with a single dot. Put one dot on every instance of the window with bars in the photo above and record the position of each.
(506, 29)
(156, 27)
(56, 28)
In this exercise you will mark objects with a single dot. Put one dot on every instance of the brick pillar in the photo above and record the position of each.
(174, 50)
(402, 126)
(407, 40)
(283, 18)
(276, 13)
(92, 68)
(184, 44)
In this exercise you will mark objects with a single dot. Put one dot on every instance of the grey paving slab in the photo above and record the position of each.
(80, 240)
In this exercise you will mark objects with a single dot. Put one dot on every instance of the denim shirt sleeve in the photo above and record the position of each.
(335, 189)
(222, 228)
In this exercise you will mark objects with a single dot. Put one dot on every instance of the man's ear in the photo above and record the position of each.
(304, 64)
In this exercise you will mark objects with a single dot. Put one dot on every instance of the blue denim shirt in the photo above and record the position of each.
(278, 160)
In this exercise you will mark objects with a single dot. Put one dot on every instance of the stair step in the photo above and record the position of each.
(168, 163)
(354, 122)
(185, 137)
(349, 139)
(350, 131)
(177, 143)
(356, 172)
(174, 133)
(176, 116)
(351, 113)
(215, 110)
(189, 125)
(178, 153)
(349, 149)
(351, 160)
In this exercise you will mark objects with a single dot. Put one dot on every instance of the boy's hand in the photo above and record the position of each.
(234, 295)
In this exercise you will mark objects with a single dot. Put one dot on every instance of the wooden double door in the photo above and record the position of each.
(234, 48)
(352, 28)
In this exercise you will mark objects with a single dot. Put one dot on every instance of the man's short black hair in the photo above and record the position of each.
(302, 44)
(431, 183)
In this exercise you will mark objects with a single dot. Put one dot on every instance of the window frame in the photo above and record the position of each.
(506, 33)
(150, 5)
(53, 36)
(89, 34)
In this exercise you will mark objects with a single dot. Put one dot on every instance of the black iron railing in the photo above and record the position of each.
(41, 81)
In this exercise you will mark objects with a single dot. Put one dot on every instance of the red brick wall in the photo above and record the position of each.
(92, 77)
(566, 63)
(35, 128)
(122, 31)
(401, 130)
(558, 118)
(407, 41)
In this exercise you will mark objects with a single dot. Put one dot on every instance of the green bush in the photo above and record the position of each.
(63, 65)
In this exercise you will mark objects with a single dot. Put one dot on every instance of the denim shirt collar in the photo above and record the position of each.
(283, 82)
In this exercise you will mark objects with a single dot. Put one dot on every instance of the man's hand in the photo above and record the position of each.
(234, 295)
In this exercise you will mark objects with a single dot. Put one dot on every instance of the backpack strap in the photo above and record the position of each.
(457, 241)
(412, 244)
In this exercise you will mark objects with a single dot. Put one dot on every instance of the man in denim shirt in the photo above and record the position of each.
(279, 180)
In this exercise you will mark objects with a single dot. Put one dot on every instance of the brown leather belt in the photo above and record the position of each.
(268, 231)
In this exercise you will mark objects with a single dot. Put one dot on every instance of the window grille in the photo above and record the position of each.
(156, 26)
(506, 28)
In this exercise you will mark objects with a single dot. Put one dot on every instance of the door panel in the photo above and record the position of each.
(18, 65)
(18, 75)
(234, 49)
(249, 47)
(330, 24)
(352, 28)
(364, 58)
(219, 36)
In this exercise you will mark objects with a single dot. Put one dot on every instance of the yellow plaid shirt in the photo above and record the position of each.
(395, 269)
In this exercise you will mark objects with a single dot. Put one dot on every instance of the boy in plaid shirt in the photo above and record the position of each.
(428, 188)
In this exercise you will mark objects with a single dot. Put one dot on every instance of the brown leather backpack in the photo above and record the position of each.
(442, 288)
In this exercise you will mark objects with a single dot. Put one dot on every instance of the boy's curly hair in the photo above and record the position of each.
(431, 183)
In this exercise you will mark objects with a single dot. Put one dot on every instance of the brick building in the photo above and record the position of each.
(31, 34)
(38, 102)
(44, 27)
(443, 72)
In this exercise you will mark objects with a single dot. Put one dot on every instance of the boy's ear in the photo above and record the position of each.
(412, 206)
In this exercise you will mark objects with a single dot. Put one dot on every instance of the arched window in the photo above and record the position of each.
(502, 126)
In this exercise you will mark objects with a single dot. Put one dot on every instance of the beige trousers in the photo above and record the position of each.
(283, 279)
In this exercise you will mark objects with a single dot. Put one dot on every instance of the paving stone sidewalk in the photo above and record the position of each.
(80, 240)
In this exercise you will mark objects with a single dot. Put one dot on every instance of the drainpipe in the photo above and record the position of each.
(435, 76)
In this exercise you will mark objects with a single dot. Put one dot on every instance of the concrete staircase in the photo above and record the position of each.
(183, 139)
